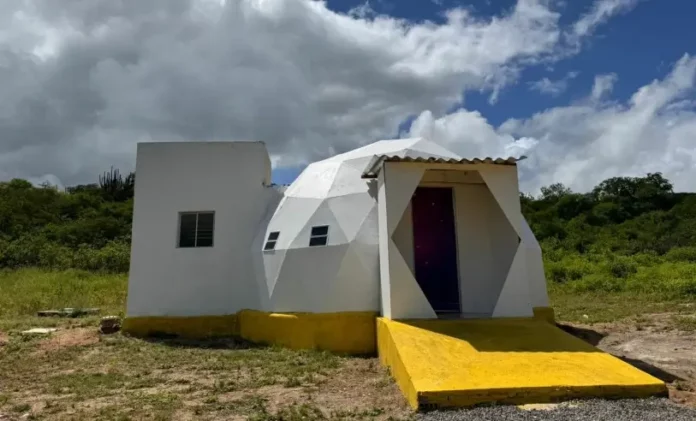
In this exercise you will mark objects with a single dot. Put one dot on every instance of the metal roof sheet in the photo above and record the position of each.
(375, 164)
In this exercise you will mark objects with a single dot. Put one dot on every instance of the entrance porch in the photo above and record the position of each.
(453, 242)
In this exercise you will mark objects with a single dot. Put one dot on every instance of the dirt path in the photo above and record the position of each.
(652, 343)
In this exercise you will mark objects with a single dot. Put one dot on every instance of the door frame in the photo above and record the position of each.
(450, 187)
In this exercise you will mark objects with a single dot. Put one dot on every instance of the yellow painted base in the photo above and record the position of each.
(460, 363)
(185, 327)
(347, 332)
(545, 313)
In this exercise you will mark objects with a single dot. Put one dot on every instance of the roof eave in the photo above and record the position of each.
(375, 165)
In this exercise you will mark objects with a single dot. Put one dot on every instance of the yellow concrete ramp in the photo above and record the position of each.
(458, 363)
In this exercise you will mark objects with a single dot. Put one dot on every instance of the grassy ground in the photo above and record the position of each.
(78, 374)
(598, 307)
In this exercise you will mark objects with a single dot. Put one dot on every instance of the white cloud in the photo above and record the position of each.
(83, 81)
(603, 84)
(552, 87)
(600, 12)
(584, 143)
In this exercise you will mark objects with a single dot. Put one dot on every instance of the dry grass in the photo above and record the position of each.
(79, 374)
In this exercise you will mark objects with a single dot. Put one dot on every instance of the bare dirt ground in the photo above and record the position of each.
(76, 373)
(663, 345)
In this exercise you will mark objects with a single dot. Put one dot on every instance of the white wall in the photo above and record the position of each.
(486, 241)
(401, 296)
(487, 244)
(403, 238)
(229, 178)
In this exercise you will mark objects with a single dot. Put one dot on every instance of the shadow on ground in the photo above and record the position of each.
(588, 335)
(208, 343)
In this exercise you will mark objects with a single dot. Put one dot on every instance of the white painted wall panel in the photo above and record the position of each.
(535, 268)
(476, 255)
(384, 241)
(225, 177)
(402, 181)
(403, 238)
(407, 298)
(514, 300)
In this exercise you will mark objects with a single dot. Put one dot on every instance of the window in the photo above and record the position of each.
(319, 236)
(272, 240)
(196, 229)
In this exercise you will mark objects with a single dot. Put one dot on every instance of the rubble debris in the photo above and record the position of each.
(40, 330)
(110, 324)
(68, 312)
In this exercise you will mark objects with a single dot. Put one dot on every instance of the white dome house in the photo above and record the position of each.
(400, 228)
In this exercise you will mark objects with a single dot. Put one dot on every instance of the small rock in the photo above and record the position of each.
(585, 316)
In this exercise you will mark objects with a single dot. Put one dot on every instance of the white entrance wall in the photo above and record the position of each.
(402, 297)
(485, 239)
(487, 244)
(499, 260)
(229, 178)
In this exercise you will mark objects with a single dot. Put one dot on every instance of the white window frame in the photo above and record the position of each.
(325, 236)
(268, 241)
(195, 238)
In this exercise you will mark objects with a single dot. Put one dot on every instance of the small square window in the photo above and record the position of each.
(272, 240)
(319, 236)
(196, 229)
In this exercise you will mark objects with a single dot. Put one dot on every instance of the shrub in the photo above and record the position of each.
(682, 254)
(623, 267)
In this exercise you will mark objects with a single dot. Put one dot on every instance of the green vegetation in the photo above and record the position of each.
(86, 227)
(25, 291)
(631, 236)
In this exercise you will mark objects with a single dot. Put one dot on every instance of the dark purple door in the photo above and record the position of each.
(435, 247)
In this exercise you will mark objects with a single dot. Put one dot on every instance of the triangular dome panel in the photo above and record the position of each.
(322, 216)
(305, 287)
(350, 212)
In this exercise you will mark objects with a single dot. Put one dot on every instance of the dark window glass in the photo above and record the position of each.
(317, 241)
(187, 230)
(196, 229)
(321, 230)
(272, 240)
(319, 236)
(204, 232)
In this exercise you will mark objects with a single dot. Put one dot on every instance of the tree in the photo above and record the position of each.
(554, 191)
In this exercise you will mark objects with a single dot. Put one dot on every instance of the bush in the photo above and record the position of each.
(113, 257)
(682, 254)
(623, 267)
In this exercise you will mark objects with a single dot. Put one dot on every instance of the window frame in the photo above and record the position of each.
(195, 232)
(270, 243)
(313, 236)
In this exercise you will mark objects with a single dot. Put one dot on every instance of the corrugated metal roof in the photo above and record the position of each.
(375, 164)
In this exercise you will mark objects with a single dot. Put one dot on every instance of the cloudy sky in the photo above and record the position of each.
(586, 89)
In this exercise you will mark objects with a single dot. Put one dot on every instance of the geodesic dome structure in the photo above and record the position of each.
(321, 244)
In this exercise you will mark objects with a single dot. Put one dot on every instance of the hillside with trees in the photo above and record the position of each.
(628, 233)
